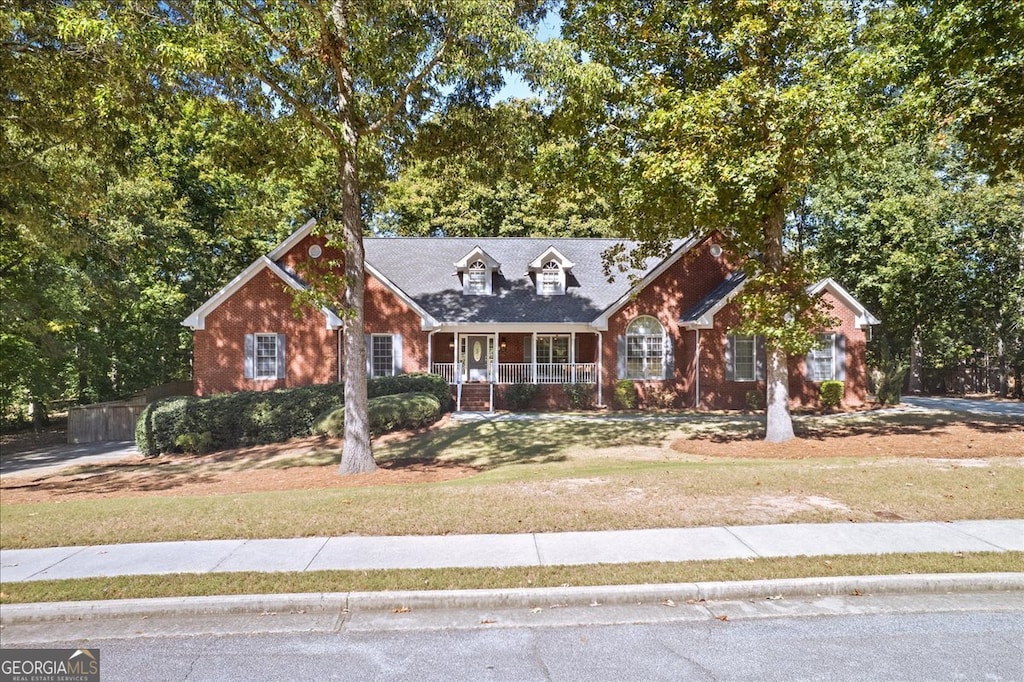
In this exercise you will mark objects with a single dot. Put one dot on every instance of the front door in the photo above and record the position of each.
(477, 355)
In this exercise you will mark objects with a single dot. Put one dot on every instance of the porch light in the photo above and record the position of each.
(503, 343)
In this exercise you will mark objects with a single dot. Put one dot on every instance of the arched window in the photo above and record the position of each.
(477, 274)
(551, 278)
(645, 349)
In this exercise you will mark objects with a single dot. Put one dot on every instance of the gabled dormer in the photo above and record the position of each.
(550, 271)
(477, 270)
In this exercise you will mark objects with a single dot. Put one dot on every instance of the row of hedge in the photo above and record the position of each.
(231, 420)
(385, 414)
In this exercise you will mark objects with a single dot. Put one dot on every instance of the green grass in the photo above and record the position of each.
(181, 585)
(546, 476)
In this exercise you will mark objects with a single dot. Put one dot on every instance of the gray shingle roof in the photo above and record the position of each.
(714, 297)
(424, 269)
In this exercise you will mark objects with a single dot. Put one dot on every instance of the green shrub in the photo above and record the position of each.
(889, 384)
(579, 396)
(831, 393)
(755, 400)
(257, 417)
(625, 394)
(519, 396)
(417, 382)
(386, 413)
(194, 443)
(659, 397)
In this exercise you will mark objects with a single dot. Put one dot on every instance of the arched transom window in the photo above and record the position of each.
(645, 349)
(477, 273)
(551, 278)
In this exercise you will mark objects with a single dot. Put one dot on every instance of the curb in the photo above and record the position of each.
(340, 603)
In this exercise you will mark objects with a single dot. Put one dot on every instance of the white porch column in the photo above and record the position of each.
(533, 358)
(572, 356)
(600, 363)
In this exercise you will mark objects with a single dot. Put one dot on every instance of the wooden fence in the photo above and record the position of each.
(116, 420)
(104, 421)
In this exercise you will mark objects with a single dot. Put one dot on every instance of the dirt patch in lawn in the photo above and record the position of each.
(299, 464)
(956, 441)
(311, 463)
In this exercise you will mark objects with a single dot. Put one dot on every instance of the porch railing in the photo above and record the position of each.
(522, 372)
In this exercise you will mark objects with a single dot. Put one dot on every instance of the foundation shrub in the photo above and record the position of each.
(830, 393)
(386, 413)
(519, 396)
(257, 417)
(626, 394)
(579, 396)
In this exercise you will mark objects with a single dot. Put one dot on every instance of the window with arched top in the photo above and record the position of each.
(551, 278)
(477, 274)
(645, 349)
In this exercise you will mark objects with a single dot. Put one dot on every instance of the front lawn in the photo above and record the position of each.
(540, 476)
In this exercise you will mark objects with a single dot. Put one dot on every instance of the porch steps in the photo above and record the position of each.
(476, 398)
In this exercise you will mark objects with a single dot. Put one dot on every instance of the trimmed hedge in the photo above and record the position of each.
(831, 393)
(231, 420)
(386, 413)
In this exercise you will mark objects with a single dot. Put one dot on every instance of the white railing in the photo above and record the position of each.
(446, 370)
(522, 372)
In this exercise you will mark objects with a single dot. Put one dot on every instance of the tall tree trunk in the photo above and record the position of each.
(356, 453)
(779, 422)
(915, 383)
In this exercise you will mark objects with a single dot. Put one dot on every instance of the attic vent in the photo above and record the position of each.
(315, 251)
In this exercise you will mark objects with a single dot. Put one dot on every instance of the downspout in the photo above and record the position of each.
(430, 351)
(696, 364)
(494, 372)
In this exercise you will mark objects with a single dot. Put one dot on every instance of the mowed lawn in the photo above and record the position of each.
(582, 474)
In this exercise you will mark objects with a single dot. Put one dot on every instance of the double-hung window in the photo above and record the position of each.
(264, 356)
(477, 274)
(382, 355)
(822, 359)
(645, 349)
(744, 358)
(551, 279)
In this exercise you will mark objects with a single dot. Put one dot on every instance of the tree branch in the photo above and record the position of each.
(415, 82)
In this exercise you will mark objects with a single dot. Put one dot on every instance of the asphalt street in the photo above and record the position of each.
(839, 639)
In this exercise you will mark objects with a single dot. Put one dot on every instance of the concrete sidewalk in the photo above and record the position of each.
(539, 549)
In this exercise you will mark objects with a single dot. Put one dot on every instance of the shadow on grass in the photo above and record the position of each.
(489, 444)
(822, 427)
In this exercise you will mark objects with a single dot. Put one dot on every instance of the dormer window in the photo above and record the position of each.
(551, 279)
(476, 278)
(477, 271)
(550, 271)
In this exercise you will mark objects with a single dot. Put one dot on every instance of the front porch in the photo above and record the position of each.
(490, 359)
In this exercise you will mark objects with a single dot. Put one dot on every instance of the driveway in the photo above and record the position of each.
(998, 408)
(52, 457)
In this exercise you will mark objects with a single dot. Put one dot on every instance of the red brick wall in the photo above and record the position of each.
(718, 393)
(671, 294)
(262, 305)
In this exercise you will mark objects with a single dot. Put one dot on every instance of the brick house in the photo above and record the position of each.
(486, 313)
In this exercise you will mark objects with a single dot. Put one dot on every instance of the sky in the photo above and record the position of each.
(515, 86)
